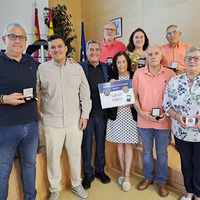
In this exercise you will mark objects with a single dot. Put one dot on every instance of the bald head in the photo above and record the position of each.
(154, 55)
(110, 25)
(153, 46)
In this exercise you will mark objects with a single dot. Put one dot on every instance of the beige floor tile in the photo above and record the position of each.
(113, 191)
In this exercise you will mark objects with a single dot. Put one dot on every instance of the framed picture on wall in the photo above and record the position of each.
(118, 24)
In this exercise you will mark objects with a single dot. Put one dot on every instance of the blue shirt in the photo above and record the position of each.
(14, 77)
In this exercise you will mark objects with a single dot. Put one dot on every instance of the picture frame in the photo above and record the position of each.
(118, 24)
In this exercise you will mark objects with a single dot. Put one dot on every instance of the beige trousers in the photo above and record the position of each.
(56, 139)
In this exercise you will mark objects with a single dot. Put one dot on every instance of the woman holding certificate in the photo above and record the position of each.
(121, 126)
(182, 103)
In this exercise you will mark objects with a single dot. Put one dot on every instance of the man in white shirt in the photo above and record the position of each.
(64, 110)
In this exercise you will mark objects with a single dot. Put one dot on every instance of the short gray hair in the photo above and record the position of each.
(93, 42)
(11, 25)
(192, 49)
(172, 25)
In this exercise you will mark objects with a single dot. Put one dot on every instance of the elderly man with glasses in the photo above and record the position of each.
(110, 46)
(173, 52)
(19, 119)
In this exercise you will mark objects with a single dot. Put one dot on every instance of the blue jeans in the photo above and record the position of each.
(161, 138)
(95, 125)
(24, 139)
(170, 136)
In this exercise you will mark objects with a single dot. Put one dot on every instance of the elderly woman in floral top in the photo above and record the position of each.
(182, 103)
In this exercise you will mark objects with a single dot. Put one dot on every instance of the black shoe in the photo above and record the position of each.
(87, 182)
(103, 177)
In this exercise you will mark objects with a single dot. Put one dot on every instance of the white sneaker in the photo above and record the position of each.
(54, 196)
(185, 198)
(126, 186)
(121, 180)
(80, 191)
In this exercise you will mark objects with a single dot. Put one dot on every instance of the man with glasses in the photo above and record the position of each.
(110, 46)
(19, 119)
(173, 52)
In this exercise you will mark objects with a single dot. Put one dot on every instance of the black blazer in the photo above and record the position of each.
(112, 112)
(107, 70)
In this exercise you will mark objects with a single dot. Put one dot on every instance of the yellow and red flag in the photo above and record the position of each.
(51, 32)
(37, 33)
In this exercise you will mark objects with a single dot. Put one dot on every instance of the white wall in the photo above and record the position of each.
(151, 15)
(22, 12)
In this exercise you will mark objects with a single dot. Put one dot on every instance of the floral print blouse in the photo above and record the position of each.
(185, 101)
(134, 59)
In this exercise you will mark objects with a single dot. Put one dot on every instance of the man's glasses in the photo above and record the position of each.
(13, 37)
(109, 29)
(173, 33)
(195, 58)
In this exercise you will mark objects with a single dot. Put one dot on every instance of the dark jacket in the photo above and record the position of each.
(107, 70)
(112, 112)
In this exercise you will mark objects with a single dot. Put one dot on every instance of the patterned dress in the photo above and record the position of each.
(185, 101)
(124, 128)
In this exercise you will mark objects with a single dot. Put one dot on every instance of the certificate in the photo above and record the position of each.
(118, 93)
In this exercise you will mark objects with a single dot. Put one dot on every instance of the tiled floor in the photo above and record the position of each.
(113, 191)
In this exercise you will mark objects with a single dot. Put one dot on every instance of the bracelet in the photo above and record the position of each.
(175, 116)
(1, 99)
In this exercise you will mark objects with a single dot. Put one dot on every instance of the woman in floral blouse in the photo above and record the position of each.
(182, 103)
(138, 43)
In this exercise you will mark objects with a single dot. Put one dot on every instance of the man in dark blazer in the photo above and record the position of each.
(96, 72)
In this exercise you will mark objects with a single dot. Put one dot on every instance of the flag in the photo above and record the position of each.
(83, 57)
(51, 32)
(36, 32)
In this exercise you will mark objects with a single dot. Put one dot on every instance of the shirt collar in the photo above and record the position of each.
(89, 64)
(177, 46)
(104, 43)
(56, 64)
(188, 79)
(146, 70)
(4, 56)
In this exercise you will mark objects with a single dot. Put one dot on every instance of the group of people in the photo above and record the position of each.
(71, 111)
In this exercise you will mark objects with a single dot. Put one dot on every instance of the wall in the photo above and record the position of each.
(73, 8)
(23, 12)
(151, 15)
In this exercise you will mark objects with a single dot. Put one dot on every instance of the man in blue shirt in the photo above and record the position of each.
(19, 119)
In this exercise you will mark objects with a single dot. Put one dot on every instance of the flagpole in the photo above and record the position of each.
(42, 53)
(35, 4)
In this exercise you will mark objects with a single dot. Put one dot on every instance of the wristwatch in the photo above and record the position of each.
(1, 99)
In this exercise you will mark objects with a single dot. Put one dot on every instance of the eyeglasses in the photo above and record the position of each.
(13, 37)
(195, 58)
(109, 29)
(173, 33)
